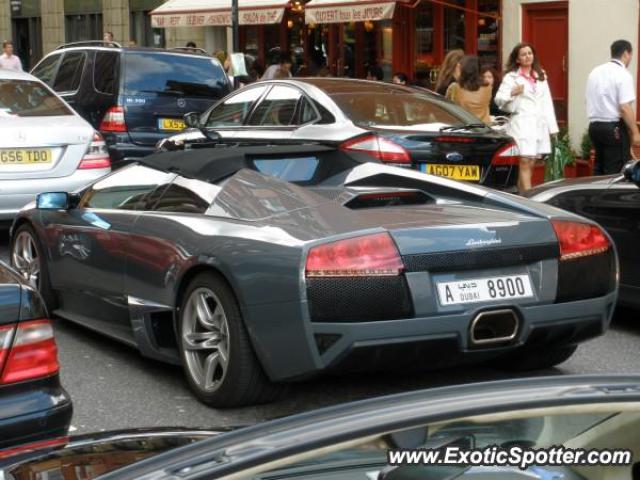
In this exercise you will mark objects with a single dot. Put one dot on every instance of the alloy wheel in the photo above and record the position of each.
(205, 339)
(25, 258)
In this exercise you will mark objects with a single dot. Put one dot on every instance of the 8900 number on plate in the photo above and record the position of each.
(485, 289)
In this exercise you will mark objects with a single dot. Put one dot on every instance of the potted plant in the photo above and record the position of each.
(561, 163)
(585, 165)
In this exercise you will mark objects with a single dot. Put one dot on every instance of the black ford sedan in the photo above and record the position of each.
(395, 124)
(33, 405)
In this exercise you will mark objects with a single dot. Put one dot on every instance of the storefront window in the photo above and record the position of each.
(488, 31)
(423, 39)
(83, 27)
(272, 45)
(454, 26)
(386, 60)
(318, 43)
(295, 36)
(347, 66)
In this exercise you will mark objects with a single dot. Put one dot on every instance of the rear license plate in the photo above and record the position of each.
(455, 172)
(174, 124)
(25, 156)
(486, 289)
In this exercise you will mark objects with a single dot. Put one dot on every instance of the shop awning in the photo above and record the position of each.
(206, 13)
(340, 11)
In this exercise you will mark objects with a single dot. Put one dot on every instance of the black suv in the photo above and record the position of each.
(134, 96)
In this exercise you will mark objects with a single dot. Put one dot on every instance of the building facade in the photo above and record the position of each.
(343, 37)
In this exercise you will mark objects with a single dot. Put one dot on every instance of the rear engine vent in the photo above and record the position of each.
(388, 199)
(586, 277)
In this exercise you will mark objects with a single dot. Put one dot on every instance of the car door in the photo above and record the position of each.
(88, 245)
(68, 79)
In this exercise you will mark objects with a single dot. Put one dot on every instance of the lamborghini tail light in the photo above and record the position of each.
(371, 255)
(579, 239)
(383, 149)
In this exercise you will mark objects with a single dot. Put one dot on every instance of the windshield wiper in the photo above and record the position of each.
(464, 126)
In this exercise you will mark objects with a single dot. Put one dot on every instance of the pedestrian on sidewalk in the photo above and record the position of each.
(471, 91)
(612, 120)
(524, 92)
(447, 70)
(8, 59)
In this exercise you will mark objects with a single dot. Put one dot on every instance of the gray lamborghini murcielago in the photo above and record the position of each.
(256, 266)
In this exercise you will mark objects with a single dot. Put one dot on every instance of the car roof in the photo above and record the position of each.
(127, 49)
(6, 74)
(349, 85)
(214, 164)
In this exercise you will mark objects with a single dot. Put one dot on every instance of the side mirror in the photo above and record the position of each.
(54, 201)
(192, 119)
(631, 171)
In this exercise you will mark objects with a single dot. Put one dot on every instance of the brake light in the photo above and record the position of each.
(579, 239)
(97, 155)
(455, 139)
(113, 120)
(33, 354)
(507, 155)
(6, 337)
(381, 148)
(371, 255)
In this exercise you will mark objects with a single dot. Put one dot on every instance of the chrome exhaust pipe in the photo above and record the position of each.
(493, 327)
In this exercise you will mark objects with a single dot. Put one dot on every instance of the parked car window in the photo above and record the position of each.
(278, 107)
(70, 72)
(46, 69)
(187, 196)
(298, 169)
(399, 109)
(24, 98)
(171, 74)
(106, 72)
(125, 189)
(307, 112)
(233, 111)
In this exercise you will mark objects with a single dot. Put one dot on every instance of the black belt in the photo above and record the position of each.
(611, 122)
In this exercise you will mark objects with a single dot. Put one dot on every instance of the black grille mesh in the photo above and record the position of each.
(358, 299)
(476, 259)
(586, 277)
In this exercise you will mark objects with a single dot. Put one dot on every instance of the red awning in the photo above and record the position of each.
(206, 13)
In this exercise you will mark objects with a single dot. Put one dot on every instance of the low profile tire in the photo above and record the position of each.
(535, 359)
(27, 257)
(219, 362)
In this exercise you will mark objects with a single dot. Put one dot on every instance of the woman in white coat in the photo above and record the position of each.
(524, 92)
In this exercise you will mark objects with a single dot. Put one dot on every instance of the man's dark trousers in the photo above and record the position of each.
(612, 145)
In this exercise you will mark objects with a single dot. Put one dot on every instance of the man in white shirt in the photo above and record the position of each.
(612, 119)
(8, 59)
(282, 69)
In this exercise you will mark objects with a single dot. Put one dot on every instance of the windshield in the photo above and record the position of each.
(180, 75)
(25, 98)
(400, 109)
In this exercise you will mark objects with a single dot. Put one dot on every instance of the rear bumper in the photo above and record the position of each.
(122, 150)
(15, 194)
(34, 411)
(426, 342)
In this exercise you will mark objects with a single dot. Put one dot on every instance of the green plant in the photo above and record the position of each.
(586, 145)
(561, 156)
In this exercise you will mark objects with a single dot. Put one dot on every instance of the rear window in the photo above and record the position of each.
(400, 109)
(298, 169)
(24, 98)
(159, 73)
(106, 72)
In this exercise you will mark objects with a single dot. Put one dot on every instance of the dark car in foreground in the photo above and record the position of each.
(133, 96)
(33, 405)
(614, 202)
(364, 440)
(395, 124)
(255, 266)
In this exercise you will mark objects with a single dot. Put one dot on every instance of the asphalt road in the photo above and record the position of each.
(113, 387)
